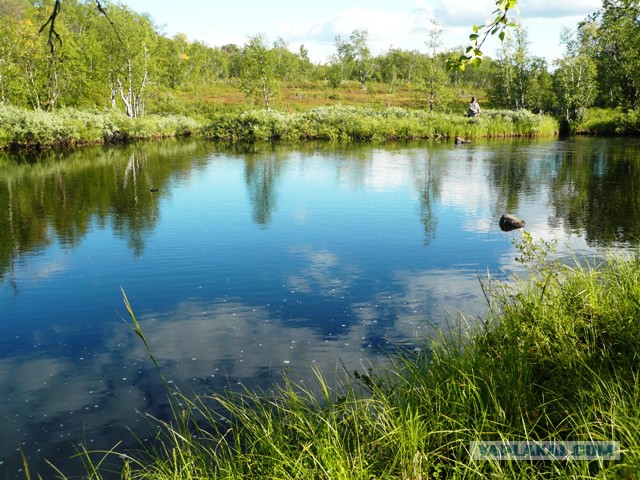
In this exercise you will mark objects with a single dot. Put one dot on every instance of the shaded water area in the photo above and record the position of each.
(243, 263)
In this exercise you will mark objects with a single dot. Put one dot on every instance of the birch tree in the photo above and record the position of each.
(258, 71)
(129, 49)
(575, 81)
(434, 75)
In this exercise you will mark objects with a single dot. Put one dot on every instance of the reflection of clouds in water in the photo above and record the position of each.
(300, 215)
(50, 405)
(41, 268)
(235, 340)
(201, 346)
(380, 171)
(385, 174)
(466, 190)
(419, 304)
(324, 274)
(459, 290)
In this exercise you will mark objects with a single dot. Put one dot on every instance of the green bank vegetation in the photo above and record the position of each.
(556, 358)
(121, 65)
(598, 121)
(67, 127)
(395, 123)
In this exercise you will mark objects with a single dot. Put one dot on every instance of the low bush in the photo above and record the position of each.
(347, 123)
(68, 126)
(600, 121)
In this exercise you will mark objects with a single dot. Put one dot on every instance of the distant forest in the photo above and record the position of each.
(123, 61)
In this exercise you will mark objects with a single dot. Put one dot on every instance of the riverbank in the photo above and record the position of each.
(343, 123)
(69, 127)
(26, 129)
(556, 359)
(600, 121)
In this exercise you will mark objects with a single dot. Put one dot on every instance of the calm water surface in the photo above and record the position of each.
(248, 262)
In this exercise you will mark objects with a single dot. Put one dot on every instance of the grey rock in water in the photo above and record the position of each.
(510, 222)
(460, 140)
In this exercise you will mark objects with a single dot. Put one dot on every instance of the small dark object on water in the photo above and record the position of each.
(510, 222)
(154, 189)
(460, 140)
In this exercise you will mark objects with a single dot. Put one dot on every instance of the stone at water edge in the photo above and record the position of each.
(460, 140)
(510, 222)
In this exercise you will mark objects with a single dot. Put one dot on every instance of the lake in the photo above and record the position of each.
(242, 263)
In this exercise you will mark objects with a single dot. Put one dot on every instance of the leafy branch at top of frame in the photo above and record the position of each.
(51, 21)
(54, 36)
(473, 53)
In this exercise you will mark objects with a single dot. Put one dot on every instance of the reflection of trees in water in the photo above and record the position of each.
(61, 195)
(597, 192)
(513, 176)
(261, 175)
(135, 208)
(428, 187)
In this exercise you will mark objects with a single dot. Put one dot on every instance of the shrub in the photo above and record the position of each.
(367, 124)
(68, 126)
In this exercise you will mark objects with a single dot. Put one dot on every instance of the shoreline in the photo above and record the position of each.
(24, 130)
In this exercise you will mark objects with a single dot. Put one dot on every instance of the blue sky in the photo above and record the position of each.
(398, 23)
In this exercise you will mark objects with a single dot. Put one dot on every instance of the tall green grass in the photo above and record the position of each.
(347, 123)
(557, 358)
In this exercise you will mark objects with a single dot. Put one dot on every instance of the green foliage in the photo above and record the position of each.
(23, 128)
(69, 126)
(597, 121)
(365, 124)
(473, 53)
(617, 53)
(398, 66)
(258, 74)
(124, 62)
(519, 79)
(575, 78)
(433, 74)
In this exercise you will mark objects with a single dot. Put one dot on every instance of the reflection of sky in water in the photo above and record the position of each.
(343, 265)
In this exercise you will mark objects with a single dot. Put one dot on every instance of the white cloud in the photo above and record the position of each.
(463, 12)
(385, 28)
(219, 38)
(389, 23)
(555, 9)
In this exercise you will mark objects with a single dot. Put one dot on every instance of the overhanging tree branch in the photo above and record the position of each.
(473, 53)
(55, 36)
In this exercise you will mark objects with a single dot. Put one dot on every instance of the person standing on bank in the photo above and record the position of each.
(474, 108)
